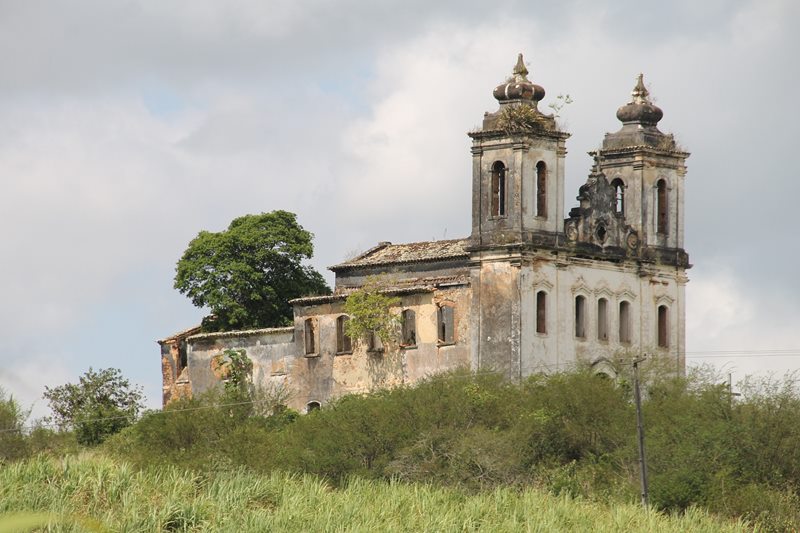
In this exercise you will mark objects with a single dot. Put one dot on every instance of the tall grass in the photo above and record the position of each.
(96, 493)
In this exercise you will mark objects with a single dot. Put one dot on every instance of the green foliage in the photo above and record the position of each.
(100, 404)
(561, 101)
(217, 430)
(522, 118)
(247, 274)
(94, 493)
(13, 444)
(370, 311)
(237, 370)
(572, 434)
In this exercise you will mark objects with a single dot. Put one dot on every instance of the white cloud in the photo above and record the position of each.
(27, 378)
(726, 314)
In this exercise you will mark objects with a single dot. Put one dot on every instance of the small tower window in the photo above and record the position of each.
(541, 312)
(541, 189)
(498, 189)
(663, 332)
(624, 322)
(580, 317)
(310, 336)
(343, 342)
(602, 319)
(661, 207)
(445, 324)
(409, 328)
(619, 196)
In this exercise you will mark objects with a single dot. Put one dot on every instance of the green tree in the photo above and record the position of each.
(247, 274)
(12, 419)
(100, 404)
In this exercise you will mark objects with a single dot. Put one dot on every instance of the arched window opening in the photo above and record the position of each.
(498, 189)
(541, 189)
(661, 207)
(580, 317)
(312, 406)
(624, 322)
(343, 342)
(602, 319)
(619, 196)
(445, 318)
(310, 336)
(663, 332)
(541, 312)
(409, 318)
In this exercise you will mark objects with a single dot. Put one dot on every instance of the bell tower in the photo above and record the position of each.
(647, 170)
(517, 169)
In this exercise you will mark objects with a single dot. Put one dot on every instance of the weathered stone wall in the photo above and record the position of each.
(270, 350)
(327, 374)
(279, 358)
(175, 382)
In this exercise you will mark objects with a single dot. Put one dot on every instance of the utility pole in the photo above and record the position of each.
(640, 430)
(731, 394)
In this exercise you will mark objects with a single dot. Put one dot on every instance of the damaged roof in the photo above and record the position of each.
(393, 287)
(414, 252)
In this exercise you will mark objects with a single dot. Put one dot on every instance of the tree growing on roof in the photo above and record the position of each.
(247, 274)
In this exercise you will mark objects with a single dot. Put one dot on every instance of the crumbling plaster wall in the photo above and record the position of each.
(271, 351)
(326, 374)
(279, 358)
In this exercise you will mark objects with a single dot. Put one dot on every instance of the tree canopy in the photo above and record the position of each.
(100, 404)
(247, 274)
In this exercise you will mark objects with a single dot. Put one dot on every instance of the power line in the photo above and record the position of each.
(129, 417)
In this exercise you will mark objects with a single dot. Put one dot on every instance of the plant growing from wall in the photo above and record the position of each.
(561, 101)
(235, 369)
(370, 311)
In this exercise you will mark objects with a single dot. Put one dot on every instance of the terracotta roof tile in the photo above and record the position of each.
(414, 252)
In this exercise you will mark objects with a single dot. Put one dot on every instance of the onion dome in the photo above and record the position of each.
(518, 87)
(640, 110)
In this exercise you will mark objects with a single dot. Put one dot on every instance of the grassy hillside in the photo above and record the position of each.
(96, 493)
(474, 437)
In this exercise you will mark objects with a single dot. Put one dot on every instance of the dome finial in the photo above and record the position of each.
(520, 70)
(640, 110)
(518, 88)
(640, 92)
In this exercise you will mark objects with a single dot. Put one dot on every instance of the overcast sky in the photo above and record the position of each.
(128, 127)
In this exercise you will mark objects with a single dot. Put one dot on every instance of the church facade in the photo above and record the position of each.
(530, 290)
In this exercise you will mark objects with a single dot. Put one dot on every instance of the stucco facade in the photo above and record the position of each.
(529, 291)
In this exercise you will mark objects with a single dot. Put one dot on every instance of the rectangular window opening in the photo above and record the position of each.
(602, 319)
(310, 336)
(541, 312)
(446, 324)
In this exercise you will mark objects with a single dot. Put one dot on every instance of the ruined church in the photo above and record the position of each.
(530, 290)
